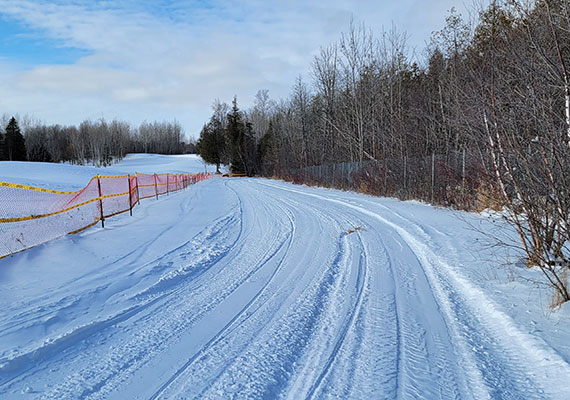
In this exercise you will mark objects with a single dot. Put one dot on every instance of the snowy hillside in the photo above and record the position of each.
(252, 288)
(74, 177)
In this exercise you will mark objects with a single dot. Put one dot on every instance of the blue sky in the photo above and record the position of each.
(23, 45)
(63, 61)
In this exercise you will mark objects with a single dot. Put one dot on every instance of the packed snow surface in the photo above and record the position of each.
(252, 288)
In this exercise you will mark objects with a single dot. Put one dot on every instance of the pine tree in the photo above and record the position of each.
(212, 143)
(235, 133)
(250, 151)
(14, 143)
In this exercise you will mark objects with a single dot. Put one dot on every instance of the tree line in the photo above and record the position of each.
(98, 142)
(497, 88)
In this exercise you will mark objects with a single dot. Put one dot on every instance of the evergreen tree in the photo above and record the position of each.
(250, 151)
(235, 134)
(212, 143)
(14, 143)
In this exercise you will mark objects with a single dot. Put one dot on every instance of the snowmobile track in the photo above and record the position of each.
(251, 288)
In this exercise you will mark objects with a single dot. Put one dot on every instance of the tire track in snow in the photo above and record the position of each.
(236, 320)
(157, 297)
(411, 358)
(195, 313)
(37, 310)
(504, 370)
(475, 334)
(330, 314)
(337, 328)
(278, 341)
(257, 322)
(478, 387)
(264, 367)
(415, 363)
(345, 327)
(16, 368)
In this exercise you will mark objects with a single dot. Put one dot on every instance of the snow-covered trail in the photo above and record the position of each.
(252, 288)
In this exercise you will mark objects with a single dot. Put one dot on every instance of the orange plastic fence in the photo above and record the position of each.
(31, 215)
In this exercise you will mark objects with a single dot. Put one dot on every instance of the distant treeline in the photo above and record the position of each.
(497, 87)
(98, 142)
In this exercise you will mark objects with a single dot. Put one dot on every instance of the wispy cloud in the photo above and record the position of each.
(150, 60)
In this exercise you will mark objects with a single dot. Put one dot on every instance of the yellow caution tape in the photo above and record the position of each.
(28, 218)
(141, 173)
(85, 227)
(37, 189)
(113, 177)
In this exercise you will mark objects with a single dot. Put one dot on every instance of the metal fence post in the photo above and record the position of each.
(100, 201)
(333, 174)
(405, 183)
(138, 194)
(432, 175)
(130, 196)
(155, 187)
(463, 180)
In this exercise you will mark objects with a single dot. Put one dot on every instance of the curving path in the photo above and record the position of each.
(260, 289)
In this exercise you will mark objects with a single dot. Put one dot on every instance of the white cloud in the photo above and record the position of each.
(165, 61)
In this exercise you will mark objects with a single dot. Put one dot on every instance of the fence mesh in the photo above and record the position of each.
(30, 215)
(456, 179)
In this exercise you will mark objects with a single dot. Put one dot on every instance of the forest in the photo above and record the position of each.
(98, 142)
(482, 120)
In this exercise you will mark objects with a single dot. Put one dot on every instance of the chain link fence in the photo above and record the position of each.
(459, 179)
(31, 215)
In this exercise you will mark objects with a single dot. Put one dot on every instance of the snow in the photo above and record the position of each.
(74, 177)
(254, 288)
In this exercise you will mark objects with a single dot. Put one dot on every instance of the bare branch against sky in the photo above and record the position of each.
(66, 60)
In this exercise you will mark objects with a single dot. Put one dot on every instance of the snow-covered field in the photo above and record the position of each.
(251, 288)
(75, 177)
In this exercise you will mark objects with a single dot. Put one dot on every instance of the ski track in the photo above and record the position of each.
(239, 318)
(165, 286)
(274, 298)
(497, 364)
